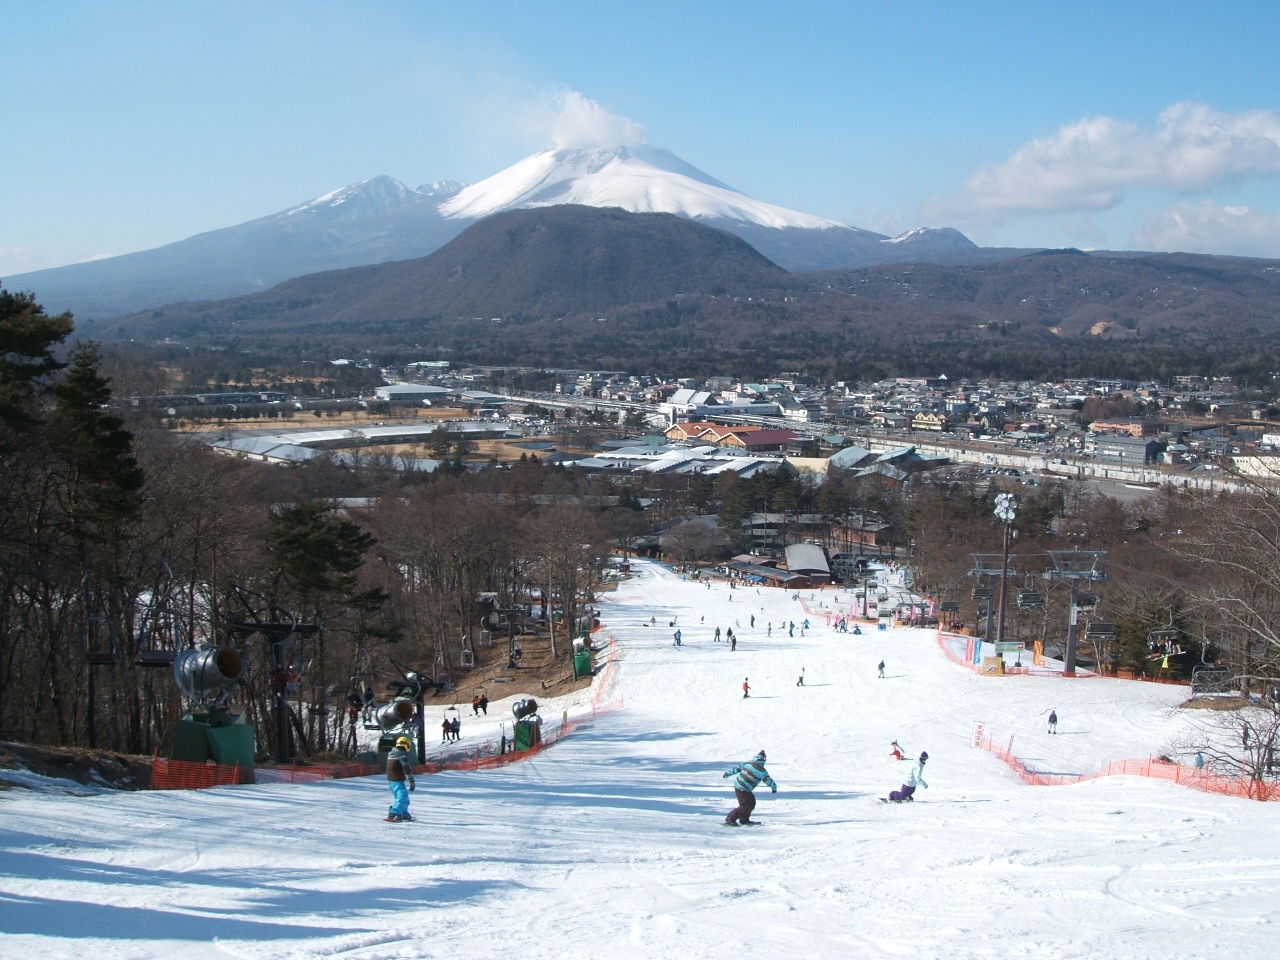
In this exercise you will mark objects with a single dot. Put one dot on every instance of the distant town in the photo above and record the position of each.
(1191, 432)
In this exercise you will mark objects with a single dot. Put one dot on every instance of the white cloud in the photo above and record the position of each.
(18, 260)
(581, 122)
(1206, 227)
(1090, 164)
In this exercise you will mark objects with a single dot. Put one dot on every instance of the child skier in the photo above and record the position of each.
(895, 751)
(747, 776)
(400, 771)
(914, 779)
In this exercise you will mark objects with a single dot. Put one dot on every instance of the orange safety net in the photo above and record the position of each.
(1196, 778)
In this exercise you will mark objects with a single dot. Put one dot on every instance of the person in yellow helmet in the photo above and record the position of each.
(400, 773)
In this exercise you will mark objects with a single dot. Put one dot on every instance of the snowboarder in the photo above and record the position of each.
(399, 772)
(475, 705)
(914, 779)
(791, 629)
(733, 642)
(881, 669)
(800, 682)
(746, 688)
(484, 704)
(717, 634)
(806, 624)
(895, 751)
(747, 776)
(769, 632)
(753, 621)
(1053, 721)
(676, 636)
(446, 728)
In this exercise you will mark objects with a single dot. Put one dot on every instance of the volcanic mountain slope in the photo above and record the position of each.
(541, 263)
(382, 219)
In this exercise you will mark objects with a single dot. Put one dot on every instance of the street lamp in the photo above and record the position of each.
(1006, 513)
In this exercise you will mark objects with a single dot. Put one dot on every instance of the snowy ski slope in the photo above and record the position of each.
(611, 845)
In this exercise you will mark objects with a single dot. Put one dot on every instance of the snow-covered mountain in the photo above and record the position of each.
(383, 219)
(638, 179)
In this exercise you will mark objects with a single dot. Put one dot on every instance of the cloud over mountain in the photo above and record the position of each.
(581, 122)
(1091, 164)
(1207, 227)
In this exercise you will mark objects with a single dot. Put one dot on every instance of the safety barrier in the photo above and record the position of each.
(189, 775)
(182, 775)
(1193, 777)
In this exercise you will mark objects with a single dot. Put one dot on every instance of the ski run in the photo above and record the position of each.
(611, 842)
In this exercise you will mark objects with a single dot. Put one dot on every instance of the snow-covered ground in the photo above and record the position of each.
(610, 844)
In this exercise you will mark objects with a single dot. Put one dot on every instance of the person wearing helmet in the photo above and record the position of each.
(747, 776)
(914, 779)
(400, 773)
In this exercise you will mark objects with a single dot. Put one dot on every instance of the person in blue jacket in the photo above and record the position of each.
(914, 779)
(747, 776)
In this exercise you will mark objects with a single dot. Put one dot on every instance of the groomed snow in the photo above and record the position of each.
(610, 844)
(638, 179)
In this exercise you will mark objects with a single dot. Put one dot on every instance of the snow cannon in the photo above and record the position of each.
(528, 728)
(393, 714)
(203, 673)
(213, 730)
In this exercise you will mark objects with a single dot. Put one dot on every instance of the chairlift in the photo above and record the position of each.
(949, 606)
(1087, 602)
(983, 593)
(467, 658)
(99, 651)
(1029, 598)
(1100, 631)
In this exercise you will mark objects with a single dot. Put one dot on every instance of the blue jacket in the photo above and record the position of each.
(750, 775)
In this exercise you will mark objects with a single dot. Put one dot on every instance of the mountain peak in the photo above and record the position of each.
(639, 179)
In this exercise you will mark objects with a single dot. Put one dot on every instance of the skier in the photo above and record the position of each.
(914, 779)
(747, 776)
(446, 728)
(791, 629)
(895, 751)
(484, 704)
(400, 771)
(753, 621)
(769, 633)
(881, 669)
(676, 637)
(733, 642)
(475, 704)
(806, 624)
(717, 634)
(746, 688)
(1053, 721)
(800, 682)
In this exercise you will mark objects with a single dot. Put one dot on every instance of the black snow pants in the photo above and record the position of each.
(746, 803)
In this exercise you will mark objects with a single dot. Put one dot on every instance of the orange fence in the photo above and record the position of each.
(182, 775)
(187, 775)
(1197, 779)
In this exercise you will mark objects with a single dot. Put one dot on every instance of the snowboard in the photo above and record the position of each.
(750, 823)
(398, 820)
(887, 800)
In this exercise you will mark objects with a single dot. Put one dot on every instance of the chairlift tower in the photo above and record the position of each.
(1075, 566)
(985, 567)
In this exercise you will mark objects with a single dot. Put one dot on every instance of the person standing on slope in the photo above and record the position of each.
(881, 669)
(400, 772)
(747, 776)
(1053, 721)
(746, 688)
(914, 779)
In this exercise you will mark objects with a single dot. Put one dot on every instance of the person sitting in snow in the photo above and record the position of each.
(914, 779)
(895, 751)
(747, 776)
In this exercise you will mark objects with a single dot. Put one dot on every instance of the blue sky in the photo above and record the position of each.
(1134, 125)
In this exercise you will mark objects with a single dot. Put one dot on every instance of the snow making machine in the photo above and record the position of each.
(213, 730)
